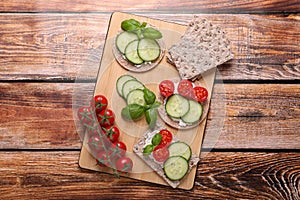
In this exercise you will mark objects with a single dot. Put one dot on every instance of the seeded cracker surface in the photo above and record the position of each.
(202, 47)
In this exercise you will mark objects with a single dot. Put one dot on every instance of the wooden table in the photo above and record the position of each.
(43, 45)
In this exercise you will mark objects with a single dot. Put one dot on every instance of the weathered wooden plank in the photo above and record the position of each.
(39, 115)
(27, 175)
(57, 46)
(218, 6)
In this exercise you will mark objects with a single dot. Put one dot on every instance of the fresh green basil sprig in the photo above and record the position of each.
(154, 142)
(140, 29)
(136, 111)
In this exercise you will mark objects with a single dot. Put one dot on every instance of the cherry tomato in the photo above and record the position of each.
(201, 94)
(97, 144)
(85, 115)
(100, 103)
(103, 159)
(166, 88)
(185, 88)
(112, 133)
(124, 165)
(118, 149)
(166, 137)
(106, 118)
(161, 154)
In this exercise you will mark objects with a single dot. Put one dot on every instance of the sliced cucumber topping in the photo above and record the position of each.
(131, 85)
(176, 167)
(180, 149)
(131, 53)
(148, 49)
(121, 80)
(123, 39)
(177, 106)
(194, 113)
(136, 97)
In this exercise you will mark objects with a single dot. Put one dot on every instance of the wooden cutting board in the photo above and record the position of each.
(131, 132)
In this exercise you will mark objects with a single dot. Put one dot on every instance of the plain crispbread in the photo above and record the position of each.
(203, 46)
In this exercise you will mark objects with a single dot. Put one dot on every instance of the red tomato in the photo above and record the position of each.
(201, 94)
(106, 118)
(124, 165)
(166, 137)
(161, 154)
(85, 115)
(118, 149)
(97, 144)
(112, 133)
(185, 88)
(100, 103)
(166, 88)
(103, 159)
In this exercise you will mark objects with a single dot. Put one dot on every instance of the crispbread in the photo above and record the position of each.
(139, 147)
(202, 47)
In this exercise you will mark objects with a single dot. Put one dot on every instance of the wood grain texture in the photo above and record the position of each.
(57, 46)
(52, 175)
(210, 6)
(39, 115)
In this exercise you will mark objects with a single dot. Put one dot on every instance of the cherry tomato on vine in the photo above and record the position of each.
(106, 118)
(118, 149)
(166, 88)
(185, 88)
(99, 102)
(124, 165)
(85, 115)
(112, 133)
(102, 159)
(96, 143)
(201, 94)
(161, 154)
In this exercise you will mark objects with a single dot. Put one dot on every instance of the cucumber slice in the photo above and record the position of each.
(131, 85)
(136, 97)
(180, 149)
(177, 106)
(148, 49)
(121, 80)
(194, 113)
(123, 39)
(176, 168)
(131, 53)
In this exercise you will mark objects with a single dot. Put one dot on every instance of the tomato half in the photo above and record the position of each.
(124, 165)
(112, 133)
(200, 93)
(161, 154)
(185, 88)
(166, 88)
(166, 137)
(106, 118)
(100, 103)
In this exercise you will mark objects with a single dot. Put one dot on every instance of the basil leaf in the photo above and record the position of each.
(144, 24)
(151, 33)
(156, 139)
(155, 105)
(148, 149)
(149, 96)
(151, 117)
(132, 111)
(130, 25)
